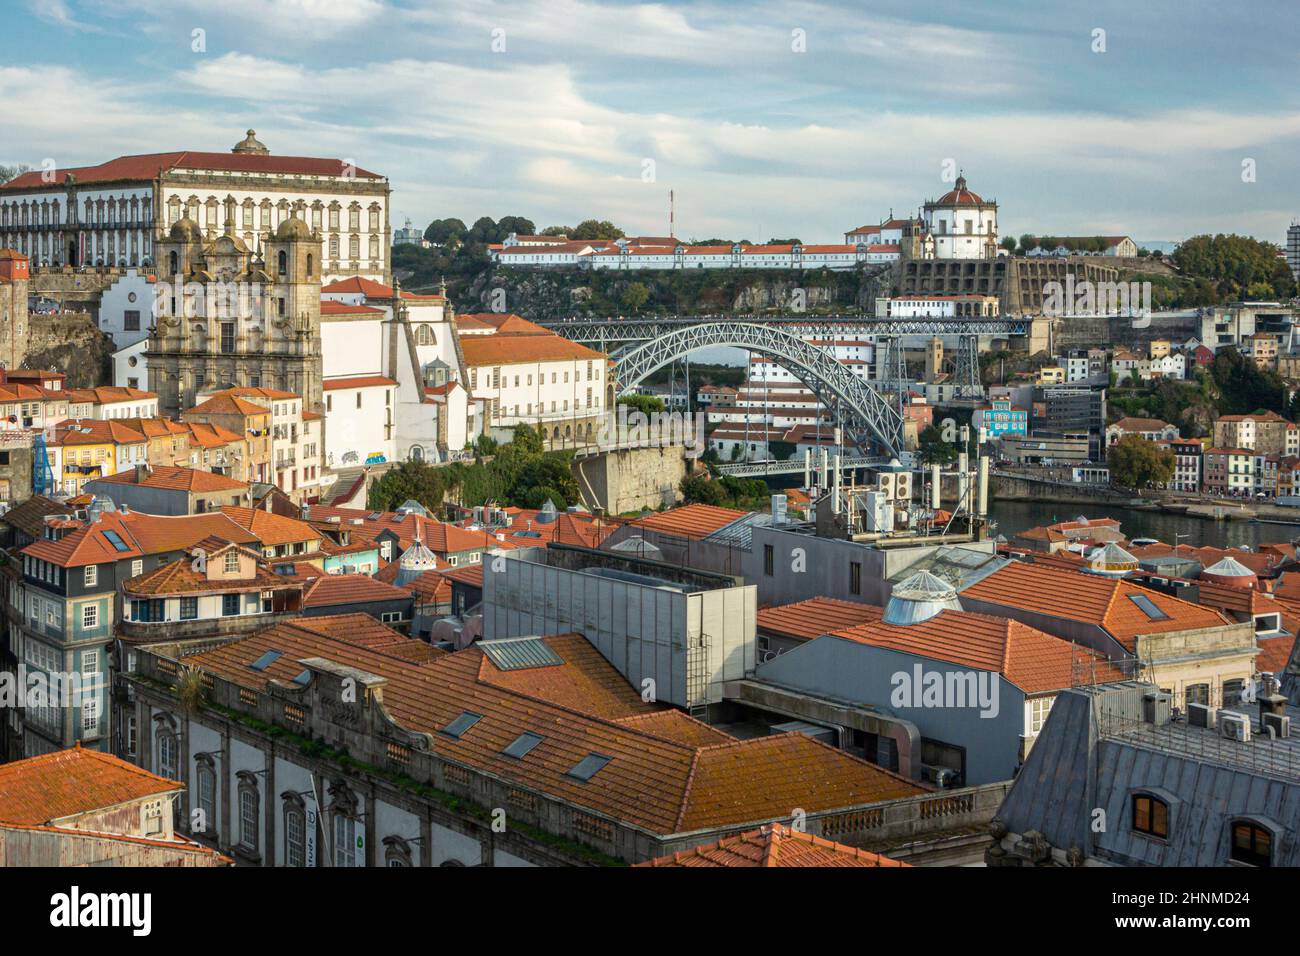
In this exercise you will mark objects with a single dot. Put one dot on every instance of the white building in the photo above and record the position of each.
(969, 305)
(522, 373)
(110, 401)
(963, 225)
(296, 441)
(403, 358)
(654, 253)
(112, 213)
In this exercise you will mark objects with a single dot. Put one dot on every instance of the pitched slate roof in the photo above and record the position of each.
(53, 786)
(774, 845)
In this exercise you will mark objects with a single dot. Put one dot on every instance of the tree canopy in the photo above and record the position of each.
(1236, 267)
(1137, 463)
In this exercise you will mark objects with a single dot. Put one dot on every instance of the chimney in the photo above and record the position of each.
(141, 472)
(1155, 708)
(1271, 698)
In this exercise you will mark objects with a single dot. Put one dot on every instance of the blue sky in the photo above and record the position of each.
(756, 138)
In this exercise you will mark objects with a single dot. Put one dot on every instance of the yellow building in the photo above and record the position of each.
(86, 448)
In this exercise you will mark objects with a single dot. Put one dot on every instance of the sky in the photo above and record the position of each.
(1157, 119)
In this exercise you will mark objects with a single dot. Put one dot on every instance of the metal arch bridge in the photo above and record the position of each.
(868, 420)
(605, 332)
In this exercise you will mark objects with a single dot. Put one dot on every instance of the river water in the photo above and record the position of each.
(1016, 516)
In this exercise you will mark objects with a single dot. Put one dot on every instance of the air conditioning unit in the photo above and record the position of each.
(903, 486)
(885, 482)
(1234, 726)
(1202, 715)
(939, 776)
(1279, 723)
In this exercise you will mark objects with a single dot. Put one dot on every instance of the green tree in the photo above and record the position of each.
(635, 296)
(699, 489)
(933, 449)
(596, 229)
(645, 404)
(516, 224)
(1137, 463)
(440, 231)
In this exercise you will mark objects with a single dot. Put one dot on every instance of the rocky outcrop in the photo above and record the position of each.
(71, 343)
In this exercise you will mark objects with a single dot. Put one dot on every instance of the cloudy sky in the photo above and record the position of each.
(768, 118)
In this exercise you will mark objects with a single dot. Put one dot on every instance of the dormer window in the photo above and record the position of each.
(232, 562)
(1252, 844)
(1150, 816)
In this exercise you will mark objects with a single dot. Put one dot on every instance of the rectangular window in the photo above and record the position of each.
(769, 560)
(92, 575)
(232, 562)
(855, 577)
(90, 617)
(189, 608)
(131, 320)
(229, 604)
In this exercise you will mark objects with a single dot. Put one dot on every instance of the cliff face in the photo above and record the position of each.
(553, 294)
(71, 343)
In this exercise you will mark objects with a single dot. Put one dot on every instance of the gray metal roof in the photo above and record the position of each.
(740, 533)
(960, 567)
(520, 653)
(1095, 753)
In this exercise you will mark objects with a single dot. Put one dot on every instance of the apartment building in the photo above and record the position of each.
(1265, 432)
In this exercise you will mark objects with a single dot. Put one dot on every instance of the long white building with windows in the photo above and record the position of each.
(112, 213)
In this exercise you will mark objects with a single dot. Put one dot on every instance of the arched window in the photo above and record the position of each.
(249, 804)
(295, 831)
(1252, 843)
(1150, 815)
(397, 852)
(283, 260)
(310, 264)
(345, 839)
(205, 787)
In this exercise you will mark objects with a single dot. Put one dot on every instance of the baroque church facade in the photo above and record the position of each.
(225, 317)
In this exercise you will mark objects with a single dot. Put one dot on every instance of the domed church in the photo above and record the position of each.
(963, 225)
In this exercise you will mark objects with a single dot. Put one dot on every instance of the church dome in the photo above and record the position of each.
(961, 196)
(186, 230)
(249, 144)
(293, 229)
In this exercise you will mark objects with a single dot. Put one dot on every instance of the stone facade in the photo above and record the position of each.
(224, 318)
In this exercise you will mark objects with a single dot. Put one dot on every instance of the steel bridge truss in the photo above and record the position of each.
(869, 422)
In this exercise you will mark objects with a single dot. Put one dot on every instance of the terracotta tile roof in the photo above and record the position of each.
(88, 544)
(151, 166)
(471, 574)
(690, 521)
(224, 404)
(29, 516)
(506, 323)
(676, 726)
(1262, 563)
(583, 530)
(355, 627)
(95, 431)
(175, 478)
(813, 617)
(1090, 599)
(356, 381)
(499, 349)
(155, 427)
(661, 785)
(159, 534)
(1034, 661)
(210, 436)
(270, 528)
(1236, 600)
(179, 577)
(108, 394)
(330, 590)
(40, 790)
(1274, 653)
(354, 284)
(774, 845)
(331, 307)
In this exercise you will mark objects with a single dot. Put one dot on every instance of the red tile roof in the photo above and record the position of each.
(331, 307)
(813, 617)
(774, 845)
(499, 349)
(41, 790)
(690, 521)
(1034, 661)
(223, 403)
(174, 478)
(356, 381)
(1090, 599)
(180, 577)
(651, 782)
(330, 590)
(270, 528)
(150, 166)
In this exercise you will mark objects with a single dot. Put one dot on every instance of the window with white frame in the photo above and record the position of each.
(92, 575)
(89, 617)
(1039, 707)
